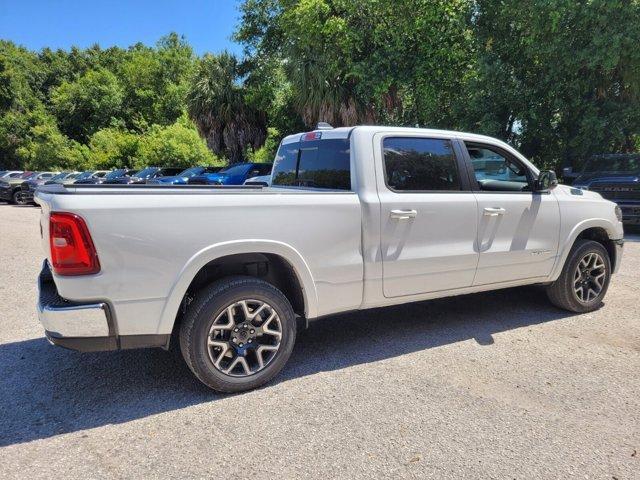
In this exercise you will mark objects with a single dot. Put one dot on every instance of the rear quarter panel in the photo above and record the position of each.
(151, 244)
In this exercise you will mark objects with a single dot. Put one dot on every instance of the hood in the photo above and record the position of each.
(589, 178)
(578, 193)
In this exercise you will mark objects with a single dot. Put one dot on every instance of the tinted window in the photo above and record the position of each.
(316, 163)
(147, 172)
(495, 172)
(419, 164)
(169, 172)
(236, 169)
(265, 168)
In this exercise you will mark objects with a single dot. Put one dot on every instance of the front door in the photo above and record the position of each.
(429, 216)
(518, 230)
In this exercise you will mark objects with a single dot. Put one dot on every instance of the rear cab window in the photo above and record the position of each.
(415, 164)
(313, 162)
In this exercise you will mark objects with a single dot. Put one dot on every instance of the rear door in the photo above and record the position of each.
(429, 216)
(518, 229)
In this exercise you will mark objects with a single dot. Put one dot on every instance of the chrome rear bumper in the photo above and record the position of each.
(85, 327)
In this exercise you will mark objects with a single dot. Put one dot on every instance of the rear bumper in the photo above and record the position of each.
(86, 327)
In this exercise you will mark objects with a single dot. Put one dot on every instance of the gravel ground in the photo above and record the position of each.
(496, 385)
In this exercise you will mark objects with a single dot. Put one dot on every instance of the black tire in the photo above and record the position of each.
(210, 302)
(562, 292)
(16, 197)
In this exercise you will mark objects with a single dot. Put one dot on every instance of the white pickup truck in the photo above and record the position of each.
(355, 218)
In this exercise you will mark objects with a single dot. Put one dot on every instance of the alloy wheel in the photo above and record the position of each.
(589, 277)
(244, 338)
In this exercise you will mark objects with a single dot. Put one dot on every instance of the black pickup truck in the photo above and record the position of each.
(617, 178)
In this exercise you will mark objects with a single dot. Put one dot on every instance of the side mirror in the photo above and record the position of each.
(546, 181)
(254, 173)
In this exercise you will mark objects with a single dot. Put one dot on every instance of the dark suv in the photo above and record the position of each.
(617, 178)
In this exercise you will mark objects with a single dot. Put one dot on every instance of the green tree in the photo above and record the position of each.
(218, 105)
(48, 149)
(560, 79)
(177, 145)
(88, 104)
(114, 148)
(360, 62)
(155, 82)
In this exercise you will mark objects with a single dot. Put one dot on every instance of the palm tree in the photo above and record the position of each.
(217, 105)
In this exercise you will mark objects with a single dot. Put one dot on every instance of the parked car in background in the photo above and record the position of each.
(10, 174)
(616, 177)
(235, 174)
(90, 175)
(63, 178)
(28, 187)
(11, 188)
(112, 175)
(183, 177)
(143, 176)
(263, 180)
(355, 218)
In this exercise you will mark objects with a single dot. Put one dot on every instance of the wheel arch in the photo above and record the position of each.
(599, 230)
(219, 260)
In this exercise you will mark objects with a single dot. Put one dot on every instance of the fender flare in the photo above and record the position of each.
(565, 248)
(218, 250)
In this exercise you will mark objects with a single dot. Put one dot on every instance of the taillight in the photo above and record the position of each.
(72, 250)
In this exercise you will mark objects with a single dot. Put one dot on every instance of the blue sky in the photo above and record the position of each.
(207, 25)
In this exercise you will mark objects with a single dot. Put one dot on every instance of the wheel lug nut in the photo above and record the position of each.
(250, 341)
(252, 331)
(241, 345)
(235, 329)
(234, 340)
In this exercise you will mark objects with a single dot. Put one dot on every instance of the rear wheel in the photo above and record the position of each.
(237, 334)
(584, 280)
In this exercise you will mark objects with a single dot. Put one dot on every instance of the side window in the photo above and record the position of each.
(497, 172)
(420, 164)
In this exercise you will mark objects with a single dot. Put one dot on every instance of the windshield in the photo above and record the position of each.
(60, 176)
(147, 172)
(613, 163)
(84, 175)
(115, 174)
(236, 169)
(190, 172)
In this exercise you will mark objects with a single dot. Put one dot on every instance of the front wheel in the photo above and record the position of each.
(17, 198)
(237, 334)
(584, 280)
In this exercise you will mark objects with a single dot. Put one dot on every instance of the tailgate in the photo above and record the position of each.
(44, 200)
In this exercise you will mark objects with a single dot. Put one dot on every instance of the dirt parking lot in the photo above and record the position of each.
(496, 385)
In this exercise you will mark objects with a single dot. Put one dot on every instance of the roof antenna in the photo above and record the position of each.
(323, 126)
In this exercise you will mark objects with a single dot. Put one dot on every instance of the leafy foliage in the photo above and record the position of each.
(218, 107)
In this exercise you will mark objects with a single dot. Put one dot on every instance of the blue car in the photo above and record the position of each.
(183, 177)
(235, 174)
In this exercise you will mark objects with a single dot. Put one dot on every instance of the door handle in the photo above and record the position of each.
(403, 214)
(493, 212)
